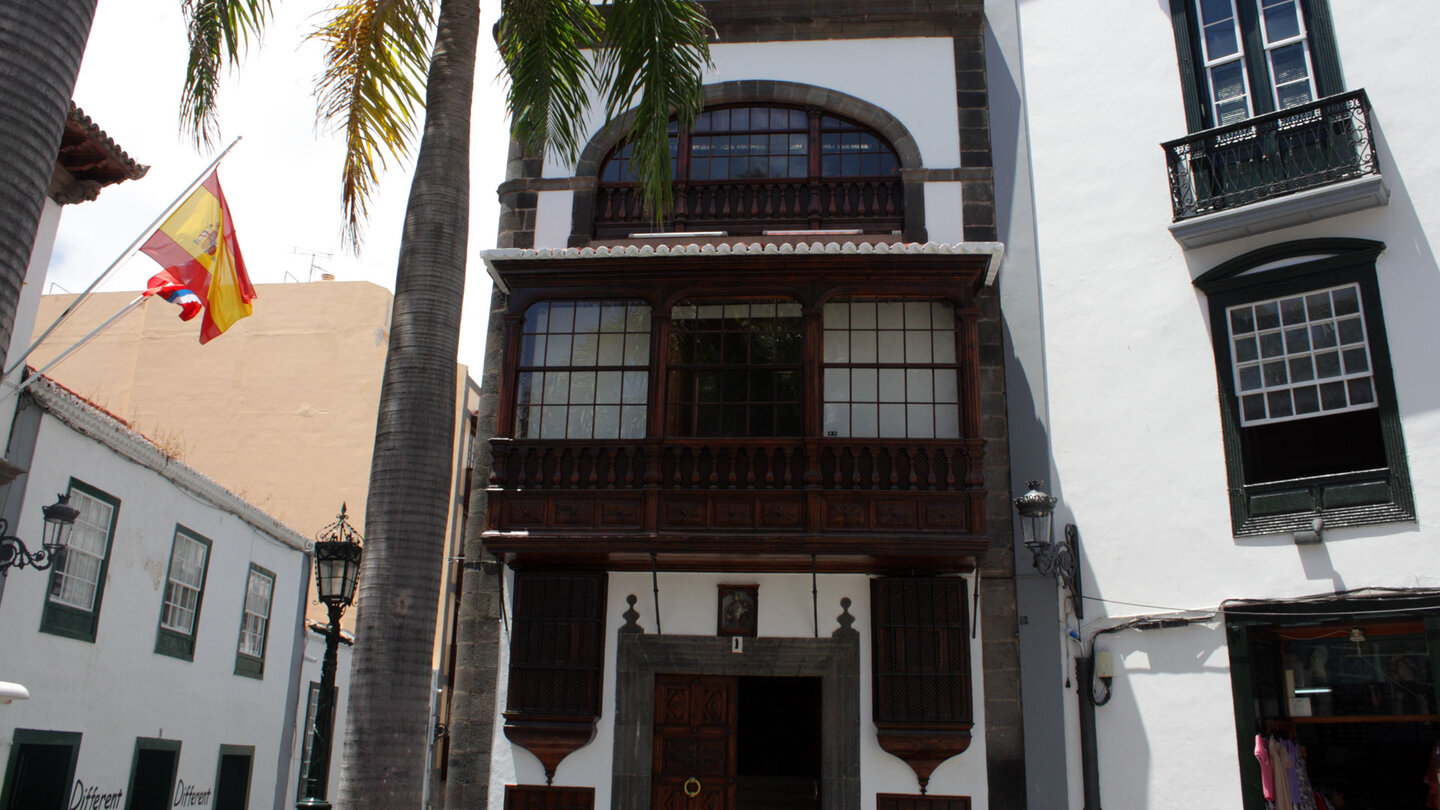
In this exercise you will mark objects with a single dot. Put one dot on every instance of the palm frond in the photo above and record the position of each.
(372, 88)
(543, 43)
(656, 51)
(218, 31)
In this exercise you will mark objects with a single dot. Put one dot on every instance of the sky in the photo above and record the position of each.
(282, 180)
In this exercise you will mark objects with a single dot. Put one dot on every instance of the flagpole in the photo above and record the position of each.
(129, 251)
(139, 299)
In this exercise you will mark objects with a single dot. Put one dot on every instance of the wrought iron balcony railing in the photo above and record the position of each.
(1272, 155)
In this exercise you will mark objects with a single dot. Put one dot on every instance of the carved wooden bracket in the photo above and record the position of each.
(550, 739)
(923, 746)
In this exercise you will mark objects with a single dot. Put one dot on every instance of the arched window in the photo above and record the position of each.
(752, 169)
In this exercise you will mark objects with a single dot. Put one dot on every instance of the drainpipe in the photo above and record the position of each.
(1089, 752)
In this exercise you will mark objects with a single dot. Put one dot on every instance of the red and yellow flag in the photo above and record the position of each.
(202, 261)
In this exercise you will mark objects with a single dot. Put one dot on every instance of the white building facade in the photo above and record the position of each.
(163, 655)
(1238, 356)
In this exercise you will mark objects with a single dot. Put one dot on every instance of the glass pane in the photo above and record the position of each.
(892, 385)
(1361, 392)
(1287, 64)
(1267, 315)
(836, 315)
(557, 387)
(947, 385)
(637, 349)
(1230, 112)
(862, 347)
(582, 387)
(1254, 406)
(1351, 331)
(607, 421)
(1318, 305)
(1281, 21)
(1215, 10)
(892, 421)
(1356, 361)
(862, 315)
(1294, 94)
(637, 384)
(837, 385)
(1275, 374)
(1220, 40)
(562, 317)
(1322, 335)
(837, 419)
(892, 347)
(607, 386)
(632, 422)
(1307, 399)
(1249, 378)
(1227, 81)
(1297, 340)
(1347, 301)
(919, 386)
(1332, 395)
(1327, 364)
(837, 346)
(917, 346)
(557, 351)
(586, 348)
(1246, 349)
(864, 385)
(947, 421)
(920, 421)
(944, 347)
(1242, 321)
(864, 421)
(1279, 402)
(612, 350)
(552, 422)
(1301, 370)
(1271, 345)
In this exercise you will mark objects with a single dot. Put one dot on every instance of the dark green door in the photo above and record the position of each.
(232, 783)
(39, 777)
(154, 778)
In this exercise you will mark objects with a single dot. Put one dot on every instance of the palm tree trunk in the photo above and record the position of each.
(389, 712)
(40, 48)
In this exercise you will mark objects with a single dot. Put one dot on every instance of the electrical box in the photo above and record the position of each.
(1104, 664)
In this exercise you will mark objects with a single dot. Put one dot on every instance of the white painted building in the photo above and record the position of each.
(1238, 389)
(163, 656)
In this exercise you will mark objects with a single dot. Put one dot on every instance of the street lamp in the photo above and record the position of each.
(337, 568)
(1061, 560)
(59, 517)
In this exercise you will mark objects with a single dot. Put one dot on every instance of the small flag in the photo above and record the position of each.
(203, 266)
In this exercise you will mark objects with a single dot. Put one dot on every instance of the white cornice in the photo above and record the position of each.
(88, 420)
(995, 250)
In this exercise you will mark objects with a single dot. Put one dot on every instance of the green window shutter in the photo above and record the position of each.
(1187, 50)
(172, 642)
(1323, 51)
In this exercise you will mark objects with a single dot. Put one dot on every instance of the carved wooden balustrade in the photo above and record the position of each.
(774, 496)
(741, 206)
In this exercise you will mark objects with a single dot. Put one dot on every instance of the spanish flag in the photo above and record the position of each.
(203, 266)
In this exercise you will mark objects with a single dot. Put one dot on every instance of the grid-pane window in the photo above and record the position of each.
(850, 150)
(259, 590)
(736, 369)
(76, 579)
(182, 588)
(891, 370)
(307, 743)
(1301, 356)
(583, 371)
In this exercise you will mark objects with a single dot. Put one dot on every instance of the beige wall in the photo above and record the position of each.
(280, 409)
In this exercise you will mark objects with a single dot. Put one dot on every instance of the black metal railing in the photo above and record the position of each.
(1272, 155)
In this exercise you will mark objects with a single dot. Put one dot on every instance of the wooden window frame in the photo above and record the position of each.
(169, 641)
(1317, 32)
(65, 620)
(248, 665)
(571, 368)
(1360, 497)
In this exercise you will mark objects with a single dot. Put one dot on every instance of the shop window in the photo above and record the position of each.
(77, 582)
(583, 370)
(255, 622)
(184, 587)
(1308, 403)
(890, 370)
(736, 369)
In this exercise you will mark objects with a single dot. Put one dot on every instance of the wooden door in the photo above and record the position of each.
(694, 755)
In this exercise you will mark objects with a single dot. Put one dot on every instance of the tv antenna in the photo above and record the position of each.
(315, 267)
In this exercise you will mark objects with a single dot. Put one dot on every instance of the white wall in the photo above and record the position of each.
(1135, 426)
(687, 605)
(912, 78)
(118, 688)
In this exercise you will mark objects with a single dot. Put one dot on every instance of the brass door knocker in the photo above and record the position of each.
(691, 787)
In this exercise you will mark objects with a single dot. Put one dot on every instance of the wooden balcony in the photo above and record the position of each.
(739, 504)
(753, 206)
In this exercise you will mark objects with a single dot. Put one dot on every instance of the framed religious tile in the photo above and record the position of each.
(738, 610)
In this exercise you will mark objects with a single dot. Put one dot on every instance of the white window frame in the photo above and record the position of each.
(94, 521)
(1302, 37)
(1210, 64)
(254, 622)
(173, 610)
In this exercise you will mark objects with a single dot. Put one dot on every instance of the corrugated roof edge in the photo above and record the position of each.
(995, 250)
(89, 419)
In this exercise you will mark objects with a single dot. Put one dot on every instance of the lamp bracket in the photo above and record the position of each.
(1062, 561)
(15, 554)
